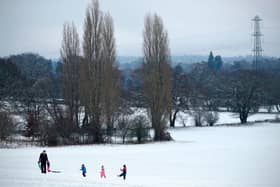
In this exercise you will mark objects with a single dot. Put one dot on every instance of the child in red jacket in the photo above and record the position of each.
(123, 174)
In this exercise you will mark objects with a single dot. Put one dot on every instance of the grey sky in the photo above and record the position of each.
(194, 26)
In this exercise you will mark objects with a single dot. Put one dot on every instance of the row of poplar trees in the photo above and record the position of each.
(91, 78)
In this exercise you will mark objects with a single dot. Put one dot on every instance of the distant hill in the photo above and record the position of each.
(129, 62)
(26, 60)
(32, 66)
(186, 61)
(204, 58)
(132, 62)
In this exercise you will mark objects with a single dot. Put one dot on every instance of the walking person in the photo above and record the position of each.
(43, 160)
(124, 171)
(84, 170)
(102, 172)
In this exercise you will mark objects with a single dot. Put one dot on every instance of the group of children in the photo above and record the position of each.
(44, 165)
(102, 172)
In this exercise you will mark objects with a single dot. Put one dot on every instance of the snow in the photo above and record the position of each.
(226, 156)
(186, 119)
(224, 118)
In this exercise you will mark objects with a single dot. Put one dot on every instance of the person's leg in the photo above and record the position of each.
(44, 167)
(124, 175)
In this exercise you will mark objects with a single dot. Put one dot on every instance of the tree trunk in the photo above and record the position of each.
(158, 127)
(278, 107)
(98, 136)
(85, 120)
(158, 135)
(172, 118)
(243, 117)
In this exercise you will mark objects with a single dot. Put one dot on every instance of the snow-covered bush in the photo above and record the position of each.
(140, 128)
(198, 117)
(123, 127)
(211, 118)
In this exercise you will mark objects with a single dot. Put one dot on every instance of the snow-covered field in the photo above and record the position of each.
(244, 156)
(225, 118)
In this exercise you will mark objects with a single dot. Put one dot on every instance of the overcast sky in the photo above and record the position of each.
(194, 26)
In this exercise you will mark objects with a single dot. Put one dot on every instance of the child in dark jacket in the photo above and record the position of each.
(84, 170)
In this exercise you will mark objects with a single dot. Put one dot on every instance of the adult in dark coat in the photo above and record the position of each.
(43, 160)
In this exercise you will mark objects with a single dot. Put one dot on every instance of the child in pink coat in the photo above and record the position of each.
(48, 166)
(102, 173)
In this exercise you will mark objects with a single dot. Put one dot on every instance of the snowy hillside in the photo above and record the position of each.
(199, 157)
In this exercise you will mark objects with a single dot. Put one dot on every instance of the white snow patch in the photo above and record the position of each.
(244, 156)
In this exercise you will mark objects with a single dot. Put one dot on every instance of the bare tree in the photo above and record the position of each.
(93, 69)
(70, 50)
(7, 126)
(31, 107)
(272, 90)
(140, 128)
(55, 125)
(243, 90)
(111, 84)
(180, 94)
(156, 73)
(123, 126)
(198, 116)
